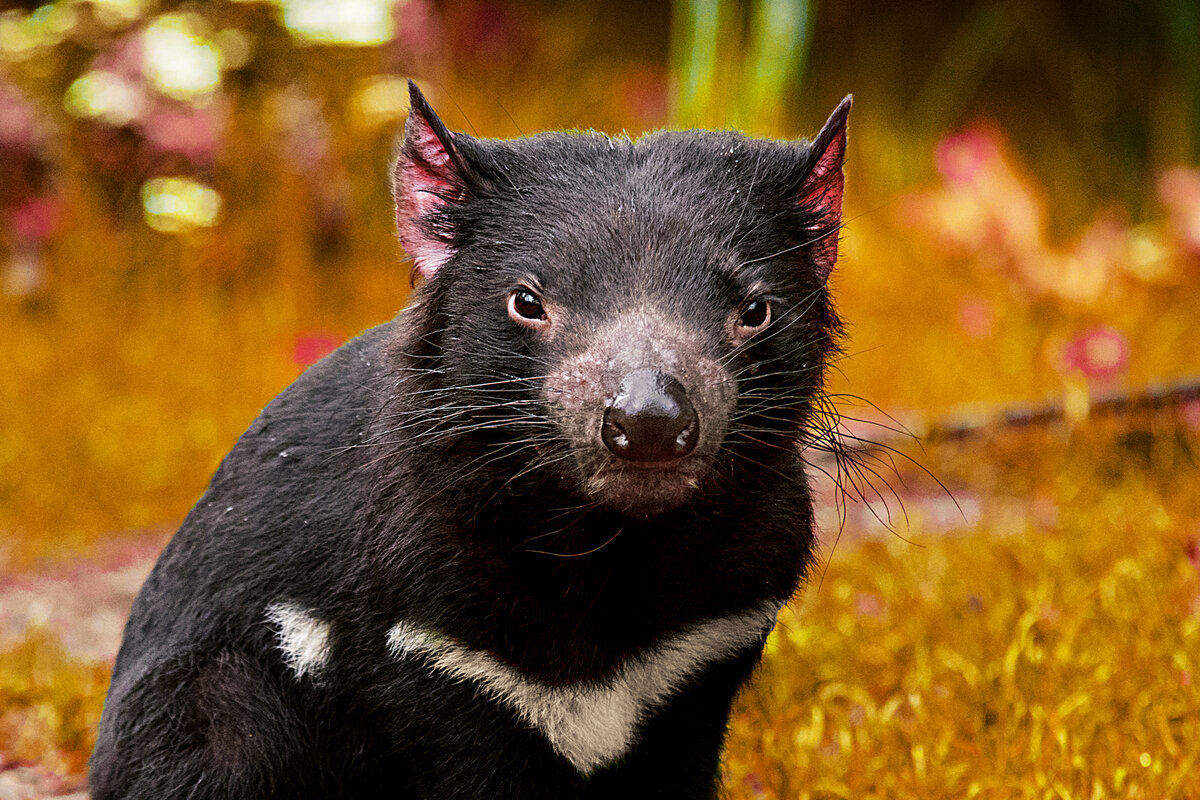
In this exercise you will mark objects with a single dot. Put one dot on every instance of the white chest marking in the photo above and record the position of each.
(593, 723)
(303, 638)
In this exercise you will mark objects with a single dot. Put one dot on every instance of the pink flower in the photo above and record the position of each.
(962, 157)
(125, 58)
(870, 605)
(18, 127)
(418, 27)
(983, 206)
(1101, 353)
(311, 347)
(976, 317)
(36, 218)
(1190, 413)
(193, 133)
(1179, 191)
(492, 31)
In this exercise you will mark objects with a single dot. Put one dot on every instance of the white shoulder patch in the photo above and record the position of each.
(303, 638)
(593, 723)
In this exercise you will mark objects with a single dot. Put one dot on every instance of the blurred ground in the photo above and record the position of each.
(85, 602)
(76, 611)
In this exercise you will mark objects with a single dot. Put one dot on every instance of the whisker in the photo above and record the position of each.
(787, 250)
(596, 549)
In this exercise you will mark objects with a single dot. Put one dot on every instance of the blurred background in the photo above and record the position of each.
(194, 206)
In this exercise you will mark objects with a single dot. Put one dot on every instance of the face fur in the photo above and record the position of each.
(627, 319)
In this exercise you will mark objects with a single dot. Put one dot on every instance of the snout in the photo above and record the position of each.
(644, 405)
(650, 423)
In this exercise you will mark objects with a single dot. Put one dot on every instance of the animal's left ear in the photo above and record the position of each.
(820, 194)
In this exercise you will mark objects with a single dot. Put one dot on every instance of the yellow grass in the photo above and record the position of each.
(50, 705)
(1057, 663)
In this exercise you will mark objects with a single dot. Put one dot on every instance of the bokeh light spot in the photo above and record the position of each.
(380, 100)
(23, 35)
(350, 22)
(118, 13)
(179, 62)
(104, 96)
(174, 205)
(234, 48)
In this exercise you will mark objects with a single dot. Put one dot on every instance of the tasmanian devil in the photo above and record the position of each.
(527, 539)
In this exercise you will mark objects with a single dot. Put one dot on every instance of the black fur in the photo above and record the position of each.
(426, 473)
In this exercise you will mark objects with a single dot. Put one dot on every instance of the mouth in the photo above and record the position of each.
(645, 489)
(653, 466)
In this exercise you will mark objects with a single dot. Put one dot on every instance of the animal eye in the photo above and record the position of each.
(526, 309)
(756, 315)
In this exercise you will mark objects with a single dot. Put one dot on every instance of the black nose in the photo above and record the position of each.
(651, 419)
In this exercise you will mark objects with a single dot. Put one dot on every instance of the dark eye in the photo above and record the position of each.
(756, 315)
(526, 309)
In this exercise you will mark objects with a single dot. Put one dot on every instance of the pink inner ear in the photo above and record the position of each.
(424, 180)
(428, 147)
(822, 193)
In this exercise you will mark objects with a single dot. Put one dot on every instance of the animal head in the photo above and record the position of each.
(630, 319)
